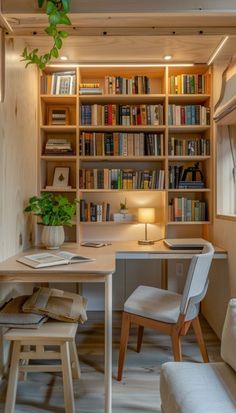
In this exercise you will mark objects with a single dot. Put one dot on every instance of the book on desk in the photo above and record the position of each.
(46, 259)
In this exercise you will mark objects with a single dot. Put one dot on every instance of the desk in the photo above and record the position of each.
(98, 271)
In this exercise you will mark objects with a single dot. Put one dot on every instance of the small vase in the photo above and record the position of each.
(53, 236)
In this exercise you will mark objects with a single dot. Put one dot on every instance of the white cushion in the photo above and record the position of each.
(228, 344)
(154, 303)
(197, 388)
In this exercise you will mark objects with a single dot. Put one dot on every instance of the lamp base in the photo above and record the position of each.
(145, 242)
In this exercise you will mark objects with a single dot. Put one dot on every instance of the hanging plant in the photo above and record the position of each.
(57, 15)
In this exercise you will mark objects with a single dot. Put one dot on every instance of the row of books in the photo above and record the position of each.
(186, 210)
(121, 179)
(121, 144)
(59, 83)
(188, 147)
(126, 115)
(188, 84)
(132, 86)
(90, 89)
(56, 146)
(93, 212)
(188, 115)
(176, 179)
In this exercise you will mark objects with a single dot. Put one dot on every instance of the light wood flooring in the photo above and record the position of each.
(139, 390)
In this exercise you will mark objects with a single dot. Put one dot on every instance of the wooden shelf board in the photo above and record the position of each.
(188, 223)
(68, 158)
(188, 128)
(68, 99)
(122, 158)
(190, 190)
(121, 190)
(122, 128)
(188, 98)
(58, 190)
(122, 98)
(58, 128)
(108, 223)
(188, 158)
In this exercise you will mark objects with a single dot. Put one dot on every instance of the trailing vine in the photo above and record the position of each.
(56, 11)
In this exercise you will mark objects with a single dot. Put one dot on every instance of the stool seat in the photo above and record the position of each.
(29, 344)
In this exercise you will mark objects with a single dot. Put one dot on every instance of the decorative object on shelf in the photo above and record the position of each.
(61, 177)
(146, 216)
(58, 115)
(123, 208)
(121, 217)
(56, 11)
(192, 177)
(55, 211)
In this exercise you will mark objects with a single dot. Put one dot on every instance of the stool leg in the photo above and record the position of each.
(13, 378)
(74, 360)
(67, 379)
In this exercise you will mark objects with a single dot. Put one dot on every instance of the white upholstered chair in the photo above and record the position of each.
(167, 311)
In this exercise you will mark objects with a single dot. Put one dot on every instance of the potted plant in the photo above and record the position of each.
(54, 211)
(123, 207)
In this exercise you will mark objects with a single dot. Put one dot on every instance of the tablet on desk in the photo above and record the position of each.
(185, 243)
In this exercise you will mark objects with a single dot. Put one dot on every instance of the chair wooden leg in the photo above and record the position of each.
(176, 346)
(124, 335)
(199, 336)
(67, 379)
(140, 338)
(13, 378)
(75, 367)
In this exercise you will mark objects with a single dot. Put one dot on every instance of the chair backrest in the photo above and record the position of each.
(197, 279)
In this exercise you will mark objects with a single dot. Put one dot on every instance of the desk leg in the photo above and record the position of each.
(164, 274)
(108, 344)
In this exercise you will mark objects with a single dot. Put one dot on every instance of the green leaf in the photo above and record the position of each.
(50, 7)
(64, 19)
(66, 5)
(55, 18)
(63, 34)
(51, 30)
(58, 42)
(54, 52)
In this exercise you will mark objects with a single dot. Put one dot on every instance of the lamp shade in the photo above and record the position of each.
(146, 215)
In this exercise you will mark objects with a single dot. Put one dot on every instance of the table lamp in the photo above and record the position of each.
(146, 216)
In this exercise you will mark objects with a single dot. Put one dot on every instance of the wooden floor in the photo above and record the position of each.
(139, 390)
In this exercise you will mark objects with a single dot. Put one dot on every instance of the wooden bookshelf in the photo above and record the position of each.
(159, 94)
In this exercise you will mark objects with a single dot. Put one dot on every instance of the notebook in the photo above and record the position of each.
(185, 243)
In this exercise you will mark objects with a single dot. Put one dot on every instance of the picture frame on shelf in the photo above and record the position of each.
(58, 115)
(60, 179)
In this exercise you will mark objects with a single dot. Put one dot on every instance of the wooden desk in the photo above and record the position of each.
(99, 271)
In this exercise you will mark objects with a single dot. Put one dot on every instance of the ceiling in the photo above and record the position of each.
(190, 36)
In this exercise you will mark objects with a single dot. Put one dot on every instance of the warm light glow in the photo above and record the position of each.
(217, 50)
(64, 58)
(146, 215)
(120, 65)
(167, 57)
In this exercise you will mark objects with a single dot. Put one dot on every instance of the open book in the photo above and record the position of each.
(46, 259)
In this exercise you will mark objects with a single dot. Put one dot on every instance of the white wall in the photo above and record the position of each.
(18, 133)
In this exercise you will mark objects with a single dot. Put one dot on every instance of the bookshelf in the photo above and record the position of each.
(130, 146)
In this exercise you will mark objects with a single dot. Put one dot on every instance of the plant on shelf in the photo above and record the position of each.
(123, 207)
(54, 211)
(56, 11)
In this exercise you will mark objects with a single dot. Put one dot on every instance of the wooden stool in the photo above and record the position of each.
(58, 334)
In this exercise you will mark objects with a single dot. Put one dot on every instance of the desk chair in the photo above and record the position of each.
(168, 312)
(59, 334)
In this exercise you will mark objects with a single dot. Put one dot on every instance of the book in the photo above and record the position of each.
(95, 244)
(46, 259)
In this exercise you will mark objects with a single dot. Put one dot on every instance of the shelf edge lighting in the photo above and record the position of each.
(121, 65)
(217, 50)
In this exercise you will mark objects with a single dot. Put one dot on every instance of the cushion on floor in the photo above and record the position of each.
(198, 388)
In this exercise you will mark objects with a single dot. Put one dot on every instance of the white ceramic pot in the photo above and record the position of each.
(53, 236)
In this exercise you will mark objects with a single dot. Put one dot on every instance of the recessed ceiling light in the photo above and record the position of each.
(167, 57)
(64, 58)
